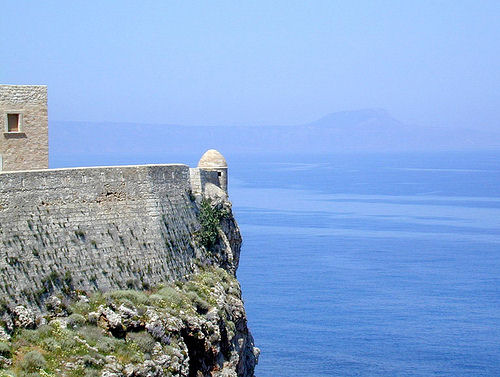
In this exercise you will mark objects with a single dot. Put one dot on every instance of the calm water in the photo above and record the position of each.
(371, 265)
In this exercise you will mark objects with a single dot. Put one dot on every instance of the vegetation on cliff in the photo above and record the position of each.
(191, 328)
(210, 216)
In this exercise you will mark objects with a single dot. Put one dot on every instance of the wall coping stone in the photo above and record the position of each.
(84, 168)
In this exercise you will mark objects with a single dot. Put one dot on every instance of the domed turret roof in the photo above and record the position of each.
(212, 159)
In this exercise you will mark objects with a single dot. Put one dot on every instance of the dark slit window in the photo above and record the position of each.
(12, 122)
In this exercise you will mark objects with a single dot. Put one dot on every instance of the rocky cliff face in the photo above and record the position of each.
(193, 326)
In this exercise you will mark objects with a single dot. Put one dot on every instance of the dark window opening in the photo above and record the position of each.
(219, 173)
(12, 122)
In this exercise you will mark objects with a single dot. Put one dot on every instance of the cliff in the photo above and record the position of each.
(120, 271)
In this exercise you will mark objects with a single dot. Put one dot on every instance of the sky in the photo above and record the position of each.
(432, 63)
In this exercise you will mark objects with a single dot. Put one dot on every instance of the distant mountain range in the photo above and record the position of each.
(371, 130)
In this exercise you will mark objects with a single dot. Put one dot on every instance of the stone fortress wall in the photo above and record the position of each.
(98, 228)
(25, 146)
(95, 228)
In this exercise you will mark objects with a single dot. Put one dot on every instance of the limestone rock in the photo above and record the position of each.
(111, 321)
(4, 336)
(24, 317)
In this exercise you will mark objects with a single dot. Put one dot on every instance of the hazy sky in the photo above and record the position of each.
(265, 62)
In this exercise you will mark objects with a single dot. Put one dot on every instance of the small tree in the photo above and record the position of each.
(210, 217)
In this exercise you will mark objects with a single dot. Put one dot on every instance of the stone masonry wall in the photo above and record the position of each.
(27, 149)
(199, 178)
(95, 228)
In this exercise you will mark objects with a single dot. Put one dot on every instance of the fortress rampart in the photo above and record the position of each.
(99, 228)
(67, 232)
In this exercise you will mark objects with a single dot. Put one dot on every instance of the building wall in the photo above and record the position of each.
(200, 177)
(27, 149)
(96, 228)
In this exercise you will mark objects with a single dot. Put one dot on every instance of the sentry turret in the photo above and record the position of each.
(213, 160)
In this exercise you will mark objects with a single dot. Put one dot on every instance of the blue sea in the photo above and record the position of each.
(364, 264)
(371, 264)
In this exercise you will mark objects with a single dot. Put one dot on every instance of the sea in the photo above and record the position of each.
(365, 264)
(371, 264)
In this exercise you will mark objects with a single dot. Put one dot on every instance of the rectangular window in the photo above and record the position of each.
(13, 122)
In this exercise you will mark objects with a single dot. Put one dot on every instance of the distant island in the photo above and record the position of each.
(369, 130)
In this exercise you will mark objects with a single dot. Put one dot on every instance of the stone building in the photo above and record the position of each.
(212, 160)
(24, 140)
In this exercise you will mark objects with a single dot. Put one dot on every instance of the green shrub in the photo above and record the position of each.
(75, 321)
(106, 344)
(208, 279)
(5, 350)
(81, 307)
(33, 361)
(92, 334)
(30, 336)
(45, 331)
(171, 296)
(201, 290)
(144, 341)
(156, 300)
(201, 305)
(209, 217)
(96, 300)
(136, 297)
(51, 344)
(69, 342)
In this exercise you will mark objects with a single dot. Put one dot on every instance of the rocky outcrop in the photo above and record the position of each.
(192, 326)
(191, 329)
